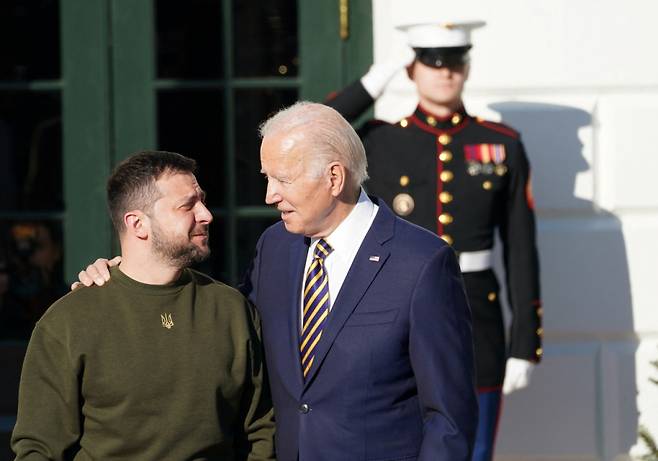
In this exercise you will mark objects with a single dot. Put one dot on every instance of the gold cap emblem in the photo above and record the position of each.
(403, 204)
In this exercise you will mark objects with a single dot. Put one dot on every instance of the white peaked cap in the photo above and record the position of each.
(439, 34)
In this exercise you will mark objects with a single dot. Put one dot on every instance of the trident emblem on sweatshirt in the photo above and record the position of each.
(167, 322)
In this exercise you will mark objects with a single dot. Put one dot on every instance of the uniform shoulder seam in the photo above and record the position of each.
(499, 127)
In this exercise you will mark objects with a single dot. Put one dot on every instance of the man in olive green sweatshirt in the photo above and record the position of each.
(162, 362)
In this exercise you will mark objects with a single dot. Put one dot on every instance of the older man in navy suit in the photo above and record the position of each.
(366, 327)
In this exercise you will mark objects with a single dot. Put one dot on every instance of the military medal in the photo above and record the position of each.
(501, 170)
(403, 204)
(474, 168)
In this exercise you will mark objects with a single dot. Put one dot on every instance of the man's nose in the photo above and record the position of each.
(271, 194)
(203, 214)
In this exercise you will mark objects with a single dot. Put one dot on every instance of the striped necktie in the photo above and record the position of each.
(316, 304)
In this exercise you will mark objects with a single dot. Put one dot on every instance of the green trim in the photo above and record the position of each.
(269, 82)
(86, 109)
(133, 67)
(327, 62)
(34, 85)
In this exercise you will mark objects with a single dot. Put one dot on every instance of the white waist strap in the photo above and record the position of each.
(475, 261)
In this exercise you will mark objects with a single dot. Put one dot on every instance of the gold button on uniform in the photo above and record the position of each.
(431, 120)
(487, 185)
(445, 156)
(404, 180)
(445, 197)
(445, 218)
(444, 139)
(540, 311)
(540, 331)
(446, 176)
(491, 296)
(456, 119)
(404, 123)
(539, 352)
(447, 238)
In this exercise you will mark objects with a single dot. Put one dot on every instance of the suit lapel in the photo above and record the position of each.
(298, 252)
(360, 276)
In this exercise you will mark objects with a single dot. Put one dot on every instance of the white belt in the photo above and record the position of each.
(475, 261)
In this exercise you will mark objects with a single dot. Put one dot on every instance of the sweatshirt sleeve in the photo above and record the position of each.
(258, 441)
(48, 425)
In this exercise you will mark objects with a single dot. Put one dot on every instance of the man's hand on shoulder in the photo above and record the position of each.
(96, 273)
(517, 374)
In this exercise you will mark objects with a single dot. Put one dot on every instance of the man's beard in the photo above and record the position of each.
(177, 254)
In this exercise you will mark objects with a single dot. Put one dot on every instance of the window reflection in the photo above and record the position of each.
(252, 108)
(30, 274)
(189, 39)
(29, 39)
(30, 151)
(265, 40)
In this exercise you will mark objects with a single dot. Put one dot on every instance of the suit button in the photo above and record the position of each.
(444, 139)
(447, 238)
(445, 197)
(404, 180)
(446, 175)
(304, 408)
(445, 218)
(487, 185)
(445, 156)
(491, 296)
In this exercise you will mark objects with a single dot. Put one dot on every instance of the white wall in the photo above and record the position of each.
(579, 79)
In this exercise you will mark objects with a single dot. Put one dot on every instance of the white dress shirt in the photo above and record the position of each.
(345, 240)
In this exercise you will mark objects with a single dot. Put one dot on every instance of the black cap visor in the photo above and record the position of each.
(451, 57)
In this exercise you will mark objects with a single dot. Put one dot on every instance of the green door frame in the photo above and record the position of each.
(109, 101)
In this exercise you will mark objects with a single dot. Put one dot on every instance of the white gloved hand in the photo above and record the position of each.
(379, 74)
(517, 374)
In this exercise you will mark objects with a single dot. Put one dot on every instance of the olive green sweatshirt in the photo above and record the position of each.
(130, 371)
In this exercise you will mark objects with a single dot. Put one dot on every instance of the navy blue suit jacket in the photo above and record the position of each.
(393, 375)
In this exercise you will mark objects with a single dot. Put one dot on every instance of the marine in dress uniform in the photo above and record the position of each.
(463, 178)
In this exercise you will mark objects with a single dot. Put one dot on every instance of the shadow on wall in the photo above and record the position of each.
(582, 400)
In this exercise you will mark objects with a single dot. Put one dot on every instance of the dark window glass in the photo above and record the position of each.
(249, 229)
(29, 39)
(252, 108)
(30, 273)
(30, 151)
(215, 265)
(189, 39)
(265, 41)
(192, 124)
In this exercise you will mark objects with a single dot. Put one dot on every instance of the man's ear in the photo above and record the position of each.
(410, 70)
(137, 224)
(337, 178)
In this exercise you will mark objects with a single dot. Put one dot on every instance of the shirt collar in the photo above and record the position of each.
(342, 238)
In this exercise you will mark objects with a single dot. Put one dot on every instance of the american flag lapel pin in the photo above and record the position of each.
(374, 258)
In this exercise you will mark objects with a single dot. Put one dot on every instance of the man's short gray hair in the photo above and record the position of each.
(331, 137)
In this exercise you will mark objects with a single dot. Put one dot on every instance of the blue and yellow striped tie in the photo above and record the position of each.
(316, 304)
